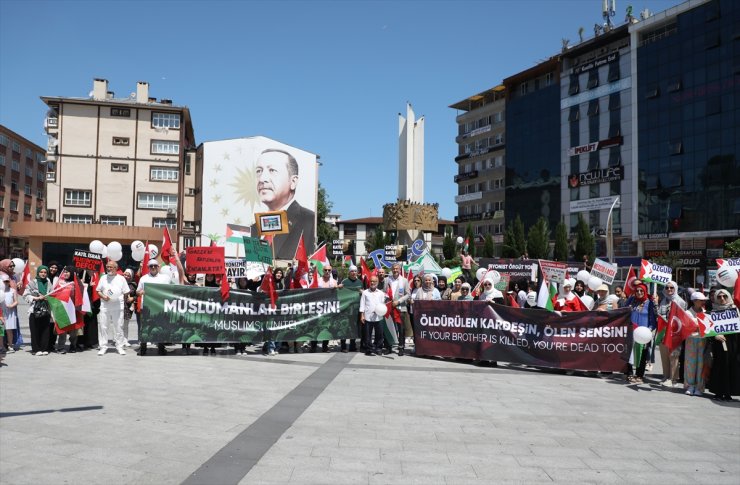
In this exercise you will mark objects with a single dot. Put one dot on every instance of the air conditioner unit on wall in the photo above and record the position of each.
(172, 212)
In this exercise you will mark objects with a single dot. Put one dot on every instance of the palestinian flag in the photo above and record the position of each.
(392, 315)
(236, 233)
(62, 306)
(348, 261)
(466, 244)
(320, 259)
(545, 294)
(660, 333)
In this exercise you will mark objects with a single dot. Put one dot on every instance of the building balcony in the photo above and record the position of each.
(468, 197)
(51, 123)
(469, 217)
(466, 176)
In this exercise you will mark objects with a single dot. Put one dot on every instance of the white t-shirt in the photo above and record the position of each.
(160, 279)
(115, 287)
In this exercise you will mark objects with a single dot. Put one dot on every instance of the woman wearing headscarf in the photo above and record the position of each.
(695, 346)
(66, 277)
(39, 316)
(724, 381)
(567, 300)
(490, 293)
(643, 315)
(669, 360)
(8, 267)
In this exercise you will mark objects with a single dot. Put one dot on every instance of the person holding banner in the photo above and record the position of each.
(465, 292)
(669, 359)
(154, 276)
(490, 293)
(456, 289)
(370, 300)
(399, 288)
(113, 290)
(694, 355)
(643, 315)
(724, 380)
(352, 282)
(428, 291)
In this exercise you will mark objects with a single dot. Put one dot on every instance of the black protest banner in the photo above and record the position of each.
(599, 341)
(87, 260)
(191, 314)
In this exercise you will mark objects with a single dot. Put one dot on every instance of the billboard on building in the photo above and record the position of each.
(245, 176)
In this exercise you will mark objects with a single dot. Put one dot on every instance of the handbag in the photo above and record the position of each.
(41, 309)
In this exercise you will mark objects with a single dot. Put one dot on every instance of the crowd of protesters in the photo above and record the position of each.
(698, 364)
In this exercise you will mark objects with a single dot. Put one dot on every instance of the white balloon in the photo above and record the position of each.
(613, 299)
(594, 283)
(381, 309)
(481, 273)
(153, 251)
(115, 255)
(20, 265)
(460, 240)
(584, 276)
(137, 246)
(104, 252)
(138, 255)
(96, 246)
(446, 272)
(642, 335)
(494, 276)
(726, 275)
(114, 246)
(588, 301)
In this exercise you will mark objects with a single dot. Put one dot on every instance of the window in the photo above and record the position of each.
(615, 101)
(575, 113)
(27, 189)
(613, 72)
(498, 117)
(2, 201)
(714, 105)
(120, 141)
(39, 157)
(593, 160)
(113, 220)
(39, 211)
(160, 222)
(29, 153)
(164, 174)
(674, 86)
(40, 194)
(3, 140)
(652, 92)
(190, 225)
(675, 147)
(75, 219)
(51, 214)
(615, 156)
(711, 39)
(574, 86)
(523, 88)
(26, 209)
(15, 165)
(593, 79)
(157, 201)
(120, 112)
(615, 130)
(548, 79)
(2, 160)
(119, 167)
(16, 147)
(166, 120)
(40, 175)
(615, 188)
(190, 241)
(165, 147)
(187, 165)
(593, 107)
(78, 198)
(14, 186)
(14, 205)
(499, 139)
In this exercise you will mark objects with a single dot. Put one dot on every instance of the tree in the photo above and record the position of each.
(520, 243)
(560, 252)
(378, 240)
(538, 240)
(471, 240)
(508, 249)
(448, 244)
(324, 231)
(732, 250)
(584, 240)
(488, 246)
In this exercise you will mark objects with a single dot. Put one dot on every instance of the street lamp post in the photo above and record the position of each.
(610, 232)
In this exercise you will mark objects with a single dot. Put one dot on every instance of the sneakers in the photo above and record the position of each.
(697, 393)
(272, 352)
(667, 383)
(102, 350)
(126, 344)
(121, 351)
(44, 353)
(38, 354)
(690, 391)
(10, 350)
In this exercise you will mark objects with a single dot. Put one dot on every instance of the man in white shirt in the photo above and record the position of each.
(154, 276)
(112, 288)
(371, 321)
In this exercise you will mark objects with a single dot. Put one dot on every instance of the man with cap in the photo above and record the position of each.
(112, 290)
(154, 276)
(352, 282)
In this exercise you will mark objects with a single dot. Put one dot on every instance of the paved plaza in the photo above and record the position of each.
(339, 418)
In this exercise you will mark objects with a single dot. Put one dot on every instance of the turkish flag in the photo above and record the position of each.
(225, 288)
(268, 287)
(365, 273)
(512, 301)
(629, 285)
(166, 245)
(680, 326)
(301, 268)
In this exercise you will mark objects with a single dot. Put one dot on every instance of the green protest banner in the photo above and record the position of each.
(192, 314)
(258, 250)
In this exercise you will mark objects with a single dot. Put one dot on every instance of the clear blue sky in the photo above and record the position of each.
(327, 77)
